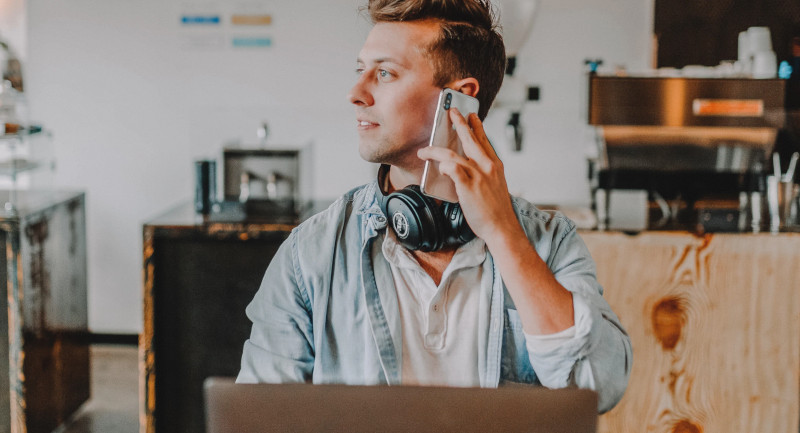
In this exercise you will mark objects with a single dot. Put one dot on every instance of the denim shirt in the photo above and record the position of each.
(327, 311)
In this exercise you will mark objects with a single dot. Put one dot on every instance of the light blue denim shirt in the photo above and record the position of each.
(327, 311)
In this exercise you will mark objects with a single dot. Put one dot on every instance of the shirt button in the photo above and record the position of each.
(435, 307)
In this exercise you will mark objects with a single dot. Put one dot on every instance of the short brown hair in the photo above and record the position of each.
(469, 46)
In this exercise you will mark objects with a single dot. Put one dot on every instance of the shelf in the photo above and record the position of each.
(17, 166)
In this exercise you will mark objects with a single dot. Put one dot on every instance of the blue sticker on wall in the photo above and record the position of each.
(200, 19)
(257, 42)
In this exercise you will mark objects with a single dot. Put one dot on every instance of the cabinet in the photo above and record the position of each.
(706, 33)
(714, 322)
(200, 272)
(43, 279)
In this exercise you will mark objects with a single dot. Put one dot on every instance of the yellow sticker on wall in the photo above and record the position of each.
(251, 19)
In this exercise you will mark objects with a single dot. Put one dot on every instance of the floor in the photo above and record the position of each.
(114, 406)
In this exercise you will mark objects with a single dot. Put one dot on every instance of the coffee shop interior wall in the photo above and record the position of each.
(133, 97)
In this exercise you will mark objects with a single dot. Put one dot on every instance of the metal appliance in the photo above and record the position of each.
(267, 180)
(697, 146)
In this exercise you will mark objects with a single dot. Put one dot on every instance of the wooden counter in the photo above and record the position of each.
(199, 275)
(715, 326)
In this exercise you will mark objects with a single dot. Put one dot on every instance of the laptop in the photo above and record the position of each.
(251, 408)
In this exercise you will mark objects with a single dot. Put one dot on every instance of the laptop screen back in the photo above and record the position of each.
(249, 408)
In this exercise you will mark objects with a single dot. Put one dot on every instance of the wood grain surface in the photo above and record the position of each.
(715, 327)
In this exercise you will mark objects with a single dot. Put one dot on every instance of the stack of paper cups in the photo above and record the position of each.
(755, 52)
(744, 48)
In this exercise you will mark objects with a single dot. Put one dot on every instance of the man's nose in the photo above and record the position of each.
(360, 94)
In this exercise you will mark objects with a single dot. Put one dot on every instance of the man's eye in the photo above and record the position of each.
(383, 73)
(359, 71)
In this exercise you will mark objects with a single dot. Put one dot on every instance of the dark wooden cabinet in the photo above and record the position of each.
(707, 32)
(43, 277)
(199, 275)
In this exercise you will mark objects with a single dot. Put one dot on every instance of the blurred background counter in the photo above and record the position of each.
(200, 272)
(714, 321)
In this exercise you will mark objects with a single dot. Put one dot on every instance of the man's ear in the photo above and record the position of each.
(468, 86)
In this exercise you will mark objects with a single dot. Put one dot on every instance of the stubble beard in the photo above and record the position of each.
(387, 152)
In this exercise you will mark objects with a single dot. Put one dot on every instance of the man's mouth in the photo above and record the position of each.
(364, 124)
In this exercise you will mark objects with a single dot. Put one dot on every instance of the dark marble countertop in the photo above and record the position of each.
(232, 218)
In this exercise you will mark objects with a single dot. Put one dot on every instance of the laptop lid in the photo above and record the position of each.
(250, 408)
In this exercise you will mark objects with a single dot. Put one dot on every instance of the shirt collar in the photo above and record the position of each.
(473, 253)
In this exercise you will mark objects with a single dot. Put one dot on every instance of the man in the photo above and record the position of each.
(343, 301)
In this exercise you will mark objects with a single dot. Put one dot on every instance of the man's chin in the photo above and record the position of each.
(368, 153)
(367, 156)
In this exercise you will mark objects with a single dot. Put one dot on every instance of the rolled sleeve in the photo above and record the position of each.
(554, 356)
(598, 355)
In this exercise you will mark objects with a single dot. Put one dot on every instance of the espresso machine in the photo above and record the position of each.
(274, 181)
(697, 147)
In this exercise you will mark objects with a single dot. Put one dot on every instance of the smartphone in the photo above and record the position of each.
(433, 183)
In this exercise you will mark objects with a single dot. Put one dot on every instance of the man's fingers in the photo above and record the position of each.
(458, 172)
(441, 154)
(450, 163)
(464, 131)
(469, 141)
(477, 128)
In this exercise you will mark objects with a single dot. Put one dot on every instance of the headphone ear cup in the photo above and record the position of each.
(458, 231)
(412, 216)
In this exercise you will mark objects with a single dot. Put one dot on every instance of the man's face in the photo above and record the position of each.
(395, 97)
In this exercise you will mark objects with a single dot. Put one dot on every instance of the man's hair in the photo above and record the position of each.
(469, 44)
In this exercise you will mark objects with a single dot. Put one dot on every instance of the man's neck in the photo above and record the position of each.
(435, 262)
(400, 178)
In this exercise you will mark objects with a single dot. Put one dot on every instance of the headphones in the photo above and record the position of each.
(421, 223)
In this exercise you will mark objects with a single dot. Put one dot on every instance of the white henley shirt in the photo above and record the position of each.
(440, 323)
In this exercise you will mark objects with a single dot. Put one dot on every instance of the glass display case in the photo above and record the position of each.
(27, 157)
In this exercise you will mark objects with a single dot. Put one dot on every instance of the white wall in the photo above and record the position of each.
(12, 26)
(131, 108)
(551, 167)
